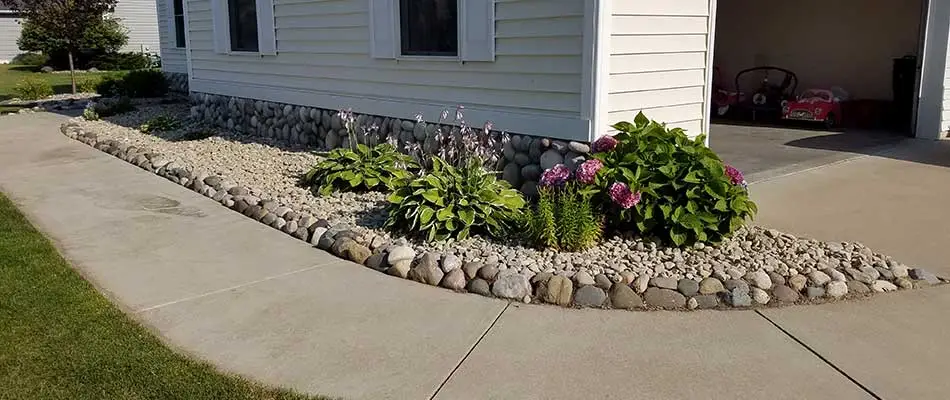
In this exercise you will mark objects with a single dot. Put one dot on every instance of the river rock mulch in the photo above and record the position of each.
(259, 177)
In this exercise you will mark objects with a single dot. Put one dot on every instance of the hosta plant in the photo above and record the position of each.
(563, 219)
(454, 202)
(161, 123)
(360, 168)
(667, 184)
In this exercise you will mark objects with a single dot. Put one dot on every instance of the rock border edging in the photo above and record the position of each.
(446, 270)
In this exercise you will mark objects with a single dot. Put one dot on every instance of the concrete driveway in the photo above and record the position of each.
(764, 152)
(252, 301)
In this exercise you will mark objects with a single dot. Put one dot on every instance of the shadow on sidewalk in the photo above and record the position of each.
(932, 152)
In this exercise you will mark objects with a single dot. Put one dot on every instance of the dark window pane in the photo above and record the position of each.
(243, 16)
(180, 31)
(179, 8)
(429, 27)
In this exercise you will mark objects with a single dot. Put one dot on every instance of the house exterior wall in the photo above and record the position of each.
(174, 59)
(323, 60)
(9, 33)
(657, 61)
(141, 19)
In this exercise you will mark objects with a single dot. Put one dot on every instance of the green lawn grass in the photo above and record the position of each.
(60, 339)
(10, 75)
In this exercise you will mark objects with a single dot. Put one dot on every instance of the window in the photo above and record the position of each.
(429, 27)
(179, 20)
(242, 15)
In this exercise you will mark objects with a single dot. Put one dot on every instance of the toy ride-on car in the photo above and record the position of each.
(766, 98)
(816, 105)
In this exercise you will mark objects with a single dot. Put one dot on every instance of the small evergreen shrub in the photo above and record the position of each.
(111, 86)
(122, 61)
(30, 59)
(31, 88)
(452, 202)
(563, 219)
(161, 123)
(108, 107)
(88, 85)
(145, 83)
(197, 134)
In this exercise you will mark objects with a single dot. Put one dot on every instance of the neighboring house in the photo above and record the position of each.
(138, 16)
(562, 69)
(9, 28)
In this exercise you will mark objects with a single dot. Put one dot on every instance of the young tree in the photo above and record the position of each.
(66, 21)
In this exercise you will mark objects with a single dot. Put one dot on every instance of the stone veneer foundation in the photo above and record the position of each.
(522, 158)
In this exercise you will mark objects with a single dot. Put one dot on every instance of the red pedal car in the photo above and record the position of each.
(816, 105)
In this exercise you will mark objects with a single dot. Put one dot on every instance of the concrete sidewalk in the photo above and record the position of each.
(250, 300)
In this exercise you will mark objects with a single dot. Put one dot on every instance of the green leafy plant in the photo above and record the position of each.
(161, 123)
(110, 86)
(563, 219)
(90, 114)
(30, 59)
(145, 83)
(88, 85)
(108, 108)
(31, 88)
(137, 84)
(669, 185)
(454, 202)
(361, 168)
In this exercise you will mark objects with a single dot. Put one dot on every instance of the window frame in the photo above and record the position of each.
(181, 39)
(400, 31)
(232, 14)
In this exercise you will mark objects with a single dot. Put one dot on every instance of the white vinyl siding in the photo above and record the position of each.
(657, 62)
(323, 60)
(9, 33)
(141, 19)
(174, 59)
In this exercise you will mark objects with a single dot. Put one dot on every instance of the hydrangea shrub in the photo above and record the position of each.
(665, 184)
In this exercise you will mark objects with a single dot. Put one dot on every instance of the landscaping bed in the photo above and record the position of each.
(261, 177)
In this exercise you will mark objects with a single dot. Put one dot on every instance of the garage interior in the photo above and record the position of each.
(869, 48)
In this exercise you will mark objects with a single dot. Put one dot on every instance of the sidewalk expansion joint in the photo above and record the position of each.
(820, 357)
(470, 351)
(227, 289)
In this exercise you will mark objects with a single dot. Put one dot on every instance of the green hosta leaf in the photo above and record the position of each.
(721, 205)
(666, 209)
(467, 215)
(678, 236)
(445, 214)
(425, 215)
(641, 120)
(433, 196)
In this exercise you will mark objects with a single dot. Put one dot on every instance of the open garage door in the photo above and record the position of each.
(853, 64)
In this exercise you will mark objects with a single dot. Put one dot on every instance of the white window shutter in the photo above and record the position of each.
(170, 18)
(382, 28)
(220, 26)
(266, 32)
(478, 30)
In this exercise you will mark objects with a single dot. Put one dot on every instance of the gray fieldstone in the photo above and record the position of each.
(589, 296)
(836, 289)
(857, 287)
(664, 283)
(814, 292)
(623, 297)
(603, 282)
(785, 294)
(450, 262)
(511, 286)
(454, 279)
(664, 298)
(557, 290)
(760, 296)
(711, 286)
(883, 286)
(687, 287)
(739, 298)
(479, 286)
(706, 301)
(400, 269)
(583, 278)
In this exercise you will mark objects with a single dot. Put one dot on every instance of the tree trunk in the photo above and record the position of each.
(72, 71)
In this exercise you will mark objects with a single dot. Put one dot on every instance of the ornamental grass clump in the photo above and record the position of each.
(359, 167)
(665, 184)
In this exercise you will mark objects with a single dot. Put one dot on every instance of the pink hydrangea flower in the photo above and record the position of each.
(621, 194)
(587, 171)
(605, 143)
(555, 176)
(735, 176)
